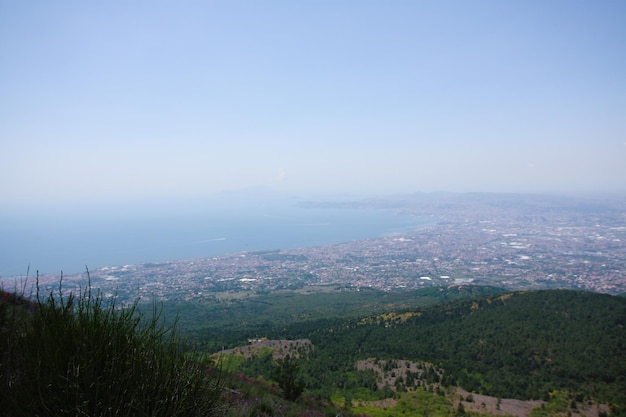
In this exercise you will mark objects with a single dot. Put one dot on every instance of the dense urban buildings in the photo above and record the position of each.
(516, 242)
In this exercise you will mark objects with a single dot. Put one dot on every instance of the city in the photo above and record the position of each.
(515, 242)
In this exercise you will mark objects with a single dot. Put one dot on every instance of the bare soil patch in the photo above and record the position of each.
(280, 348)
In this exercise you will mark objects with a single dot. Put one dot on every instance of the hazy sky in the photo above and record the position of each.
(110, 100)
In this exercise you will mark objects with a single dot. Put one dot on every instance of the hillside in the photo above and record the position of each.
(523, 345)
(230, 319)
(438, 352)
(75, 354)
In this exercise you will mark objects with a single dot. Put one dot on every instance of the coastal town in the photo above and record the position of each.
(504, 243)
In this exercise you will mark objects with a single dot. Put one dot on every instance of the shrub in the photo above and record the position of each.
(73, 355)
(286, 373)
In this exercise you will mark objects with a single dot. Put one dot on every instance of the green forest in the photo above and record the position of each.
(523, 345)
(227, 321)
(457, 351)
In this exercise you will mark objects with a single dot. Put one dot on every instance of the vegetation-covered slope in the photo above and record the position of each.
(77, 355)
(520, 345)
(227, 320)
(73, 355)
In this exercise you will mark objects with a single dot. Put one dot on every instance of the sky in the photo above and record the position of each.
(102, 102)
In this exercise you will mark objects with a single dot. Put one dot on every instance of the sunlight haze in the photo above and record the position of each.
(106, 101)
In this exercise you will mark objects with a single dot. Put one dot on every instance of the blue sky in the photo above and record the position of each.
(143, 100)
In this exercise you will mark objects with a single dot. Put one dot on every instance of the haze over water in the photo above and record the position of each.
(70, 244)
(106, 105)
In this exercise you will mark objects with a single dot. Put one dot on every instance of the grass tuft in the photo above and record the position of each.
(75, 355)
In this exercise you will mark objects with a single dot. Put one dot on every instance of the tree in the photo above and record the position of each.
(286, 373)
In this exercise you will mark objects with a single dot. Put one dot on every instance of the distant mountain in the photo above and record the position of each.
(436, 202)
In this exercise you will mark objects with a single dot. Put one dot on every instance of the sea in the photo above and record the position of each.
(69, 244)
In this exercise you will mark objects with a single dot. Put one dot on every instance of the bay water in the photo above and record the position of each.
(69, 243)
